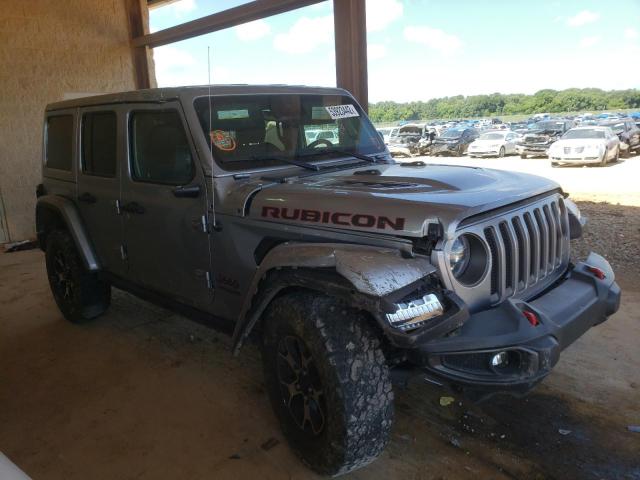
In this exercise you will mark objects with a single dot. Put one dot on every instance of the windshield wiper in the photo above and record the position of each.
(357, 155)
(291, 161)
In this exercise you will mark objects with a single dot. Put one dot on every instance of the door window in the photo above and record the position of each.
(160, 151)
(59, 142)
(99, 134)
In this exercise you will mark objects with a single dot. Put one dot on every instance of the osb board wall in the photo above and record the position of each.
(49, 49)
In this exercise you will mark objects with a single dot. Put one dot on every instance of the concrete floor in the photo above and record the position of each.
(143, 393)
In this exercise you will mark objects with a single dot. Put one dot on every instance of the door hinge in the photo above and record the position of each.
(204, 223)
(123, 253)
(209, 280)
(118, 208)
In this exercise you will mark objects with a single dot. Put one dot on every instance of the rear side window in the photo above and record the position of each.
(160, 150)
(59, 142)
(99, 134)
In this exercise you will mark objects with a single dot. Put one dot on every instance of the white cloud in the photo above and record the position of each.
(253, 30)
(587, 42)
(583, 18)
(376, 51)
(176, 67)
(180, 7)
(630, 33)
(380, 13)
(433, 38)
(305, 35)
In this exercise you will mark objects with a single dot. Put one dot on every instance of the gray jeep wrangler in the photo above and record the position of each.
(226, 203)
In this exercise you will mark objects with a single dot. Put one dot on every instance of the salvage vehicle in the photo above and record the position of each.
(454, 141)
(537, 141)
(388, 133)
(628, 133)
(346, 268)
(405, 142)
(586, 145)
(494, 144)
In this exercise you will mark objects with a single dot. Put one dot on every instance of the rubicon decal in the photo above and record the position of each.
(334, 218)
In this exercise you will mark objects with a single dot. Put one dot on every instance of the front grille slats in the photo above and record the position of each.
(526, 247)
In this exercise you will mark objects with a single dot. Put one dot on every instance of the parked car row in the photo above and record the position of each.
(579, 139)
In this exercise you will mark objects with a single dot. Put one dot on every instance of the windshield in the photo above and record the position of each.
(255, 131)
(452, 133)
(617, 128)
(558, 126)
(492, 136)
(584, 133)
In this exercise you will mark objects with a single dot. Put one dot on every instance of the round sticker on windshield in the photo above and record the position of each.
(223, 140)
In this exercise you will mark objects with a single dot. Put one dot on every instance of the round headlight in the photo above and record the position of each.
(468, 259)
(459, 256)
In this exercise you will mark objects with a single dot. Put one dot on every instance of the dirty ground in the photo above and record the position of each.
(144, 393)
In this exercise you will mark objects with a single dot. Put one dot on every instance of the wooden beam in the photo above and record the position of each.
(138, 26)
(219, 21)
(350, 22)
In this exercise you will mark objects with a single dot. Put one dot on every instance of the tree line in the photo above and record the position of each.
(496, 104)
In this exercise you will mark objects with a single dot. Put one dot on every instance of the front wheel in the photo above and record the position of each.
(79, 294)
(501, 152)
(603, 162)
(523, 156)
(328, 381)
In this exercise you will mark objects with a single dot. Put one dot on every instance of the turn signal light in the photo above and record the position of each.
(597, 272)
(531, 317)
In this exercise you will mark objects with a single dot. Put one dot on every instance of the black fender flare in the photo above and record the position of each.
(66, 214)
(362, 275)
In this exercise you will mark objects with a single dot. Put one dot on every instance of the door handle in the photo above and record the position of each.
(188, 191)
(133, 207)
(87, 198)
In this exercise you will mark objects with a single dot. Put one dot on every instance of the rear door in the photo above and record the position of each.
(164, 207)
(99, 176)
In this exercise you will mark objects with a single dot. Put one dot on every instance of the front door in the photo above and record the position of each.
(99, 183)
(164, 206)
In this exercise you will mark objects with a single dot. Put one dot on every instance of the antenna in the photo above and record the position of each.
(213, 183)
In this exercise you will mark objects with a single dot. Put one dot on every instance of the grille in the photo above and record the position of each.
(527, 246)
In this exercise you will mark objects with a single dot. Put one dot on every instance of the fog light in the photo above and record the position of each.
(500, 359)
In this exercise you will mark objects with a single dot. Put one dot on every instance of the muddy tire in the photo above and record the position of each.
(328, 381)
(79, 294)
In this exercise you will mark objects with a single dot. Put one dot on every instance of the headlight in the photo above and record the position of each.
(468, 259)
(459, 256)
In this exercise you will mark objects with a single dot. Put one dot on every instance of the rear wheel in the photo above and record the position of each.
(328, 381)
(79, 294)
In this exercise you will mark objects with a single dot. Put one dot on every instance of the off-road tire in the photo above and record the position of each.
(352, 371)
(523, 156)
(83, 296)
(501, 152)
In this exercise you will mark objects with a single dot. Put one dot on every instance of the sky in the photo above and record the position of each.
(418, 49)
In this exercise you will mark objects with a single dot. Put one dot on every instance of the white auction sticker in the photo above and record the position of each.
(342, 111)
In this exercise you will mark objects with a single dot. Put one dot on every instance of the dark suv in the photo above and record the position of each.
(628, 133)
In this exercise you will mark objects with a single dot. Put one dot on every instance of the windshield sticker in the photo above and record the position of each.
(342, 111)
(223, 140)
(232, 114)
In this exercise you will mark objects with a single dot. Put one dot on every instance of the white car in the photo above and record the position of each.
(387, 133)
(494, 144)
(583, 145)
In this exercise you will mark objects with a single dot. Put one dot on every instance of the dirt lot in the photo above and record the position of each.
(144, 393)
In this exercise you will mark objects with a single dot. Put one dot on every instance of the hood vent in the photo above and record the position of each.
(374, 185)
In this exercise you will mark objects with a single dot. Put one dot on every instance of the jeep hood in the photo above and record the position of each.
(399, 200)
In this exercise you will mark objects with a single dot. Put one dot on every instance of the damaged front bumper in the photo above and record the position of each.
(505, 350)
(540, 150)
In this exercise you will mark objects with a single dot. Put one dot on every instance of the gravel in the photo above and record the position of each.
(613, 231)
